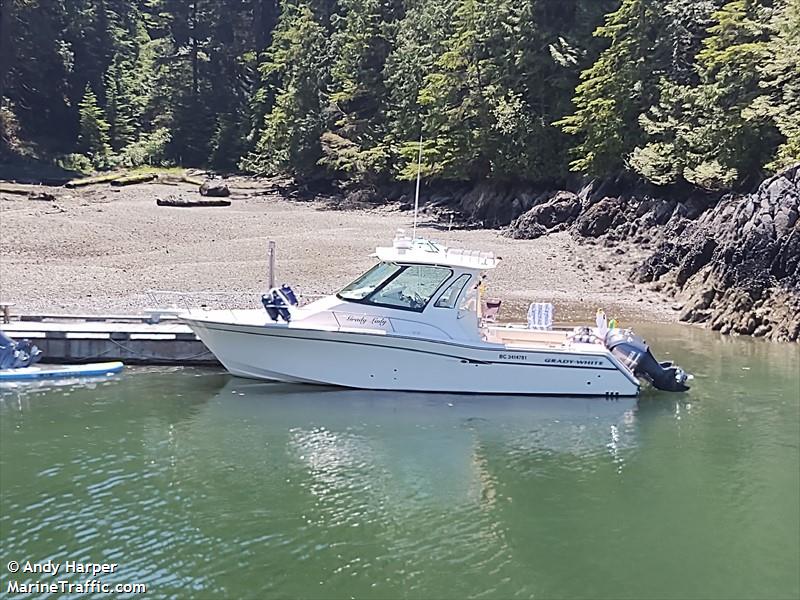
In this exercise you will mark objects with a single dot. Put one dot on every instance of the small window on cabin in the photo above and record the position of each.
(450, 296)
(369, 281)
(413, 288)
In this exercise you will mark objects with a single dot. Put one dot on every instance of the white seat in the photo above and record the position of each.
(540, 315)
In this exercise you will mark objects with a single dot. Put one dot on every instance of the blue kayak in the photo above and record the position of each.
(56, 371)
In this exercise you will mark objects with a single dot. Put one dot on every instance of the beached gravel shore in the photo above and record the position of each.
(100, 249)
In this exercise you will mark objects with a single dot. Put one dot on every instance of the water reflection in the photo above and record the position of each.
(199, 484)
(578, 426)
(401, 444)
(389, 489)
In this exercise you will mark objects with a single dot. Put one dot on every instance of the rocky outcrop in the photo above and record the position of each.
(737, 266)
(600, 217)
(731, 261)
(637, 214)
(493, 205)
(485, 204)
(214, 189)
(554, 214)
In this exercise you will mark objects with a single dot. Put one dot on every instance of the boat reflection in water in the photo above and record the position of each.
(438, 445)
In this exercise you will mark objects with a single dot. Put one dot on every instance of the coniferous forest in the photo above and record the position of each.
(700, 92)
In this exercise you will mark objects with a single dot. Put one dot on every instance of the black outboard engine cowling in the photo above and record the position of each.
(277, 302)
(635, 354)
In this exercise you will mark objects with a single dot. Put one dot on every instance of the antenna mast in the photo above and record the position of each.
(416, 196)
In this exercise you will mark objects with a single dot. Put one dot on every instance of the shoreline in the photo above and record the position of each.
(99, 249)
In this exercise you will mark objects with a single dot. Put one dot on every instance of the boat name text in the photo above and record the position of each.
(364, 319)
(574, 361)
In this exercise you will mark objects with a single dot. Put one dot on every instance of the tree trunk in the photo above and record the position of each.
(265, 18)
(195, 87)
(5, 44)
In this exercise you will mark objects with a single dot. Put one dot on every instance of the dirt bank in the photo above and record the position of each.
(99, 249)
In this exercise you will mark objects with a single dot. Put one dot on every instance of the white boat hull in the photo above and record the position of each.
(378, 361)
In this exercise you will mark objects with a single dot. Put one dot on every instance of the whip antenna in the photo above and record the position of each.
(416, 196)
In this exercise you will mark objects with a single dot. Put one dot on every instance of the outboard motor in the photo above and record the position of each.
(277, 302)
(15, 355)
(635, 354)
(289, 294)
(270, 306)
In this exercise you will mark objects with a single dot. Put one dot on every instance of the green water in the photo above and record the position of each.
(201, 485)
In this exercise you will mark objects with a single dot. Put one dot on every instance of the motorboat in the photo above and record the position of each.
(417, 321)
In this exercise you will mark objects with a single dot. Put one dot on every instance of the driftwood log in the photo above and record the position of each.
(75, 183)
(189, 203)
(42, 195)
(11, 188)
(133, 179)
(192, 180)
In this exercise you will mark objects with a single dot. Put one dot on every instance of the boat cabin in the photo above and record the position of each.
(417, 288)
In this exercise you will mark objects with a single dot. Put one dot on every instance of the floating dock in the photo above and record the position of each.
(131, 339)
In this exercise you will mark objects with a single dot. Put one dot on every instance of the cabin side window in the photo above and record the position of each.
(450, 296)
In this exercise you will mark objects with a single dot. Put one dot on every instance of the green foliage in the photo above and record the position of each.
(10, 141)
(718, 132)
(148, 149)
(658, 162)
(699, 91)
(75, 162)
(780, 79)
(616, 89)
(504, 73)
(93, 137)
(427, 168)
(346, 158)
(294, 72)
(710, 175)
(353, 145)
(729, 70)
(418, 42)
(459, 94)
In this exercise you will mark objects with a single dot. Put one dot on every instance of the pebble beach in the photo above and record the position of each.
(105, 250)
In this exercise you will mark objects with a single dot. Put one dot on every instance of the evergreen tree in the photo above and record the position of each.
(419, 41)
(120, 111)
(549, 55)
(355, 110)
(294, 73)
(93, 138)
(616, 89)
(458, 96)
(669, 125)
(38, 66)
(686, 24)
(128, 79)
(729, 67)
(780, 78)
(708, 134)
(698, 91)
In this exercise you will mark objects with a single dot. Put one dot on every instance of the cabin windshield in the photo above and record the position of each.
(407, 287)
(369, 281)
